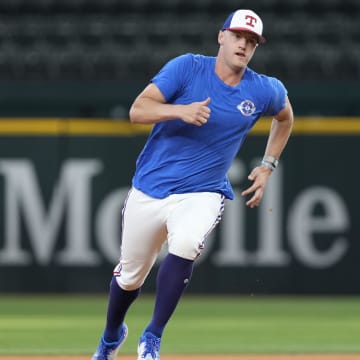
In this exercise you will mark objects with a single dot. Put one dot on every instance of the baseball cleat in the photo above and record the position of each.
(149, 347)
(108, 351)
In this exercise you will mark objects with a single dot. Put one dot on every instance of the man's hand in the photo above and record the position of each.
(196, 113)
(259, 176)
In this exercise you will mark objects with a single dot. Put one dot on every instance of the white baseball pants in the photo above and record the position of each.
(183, 220)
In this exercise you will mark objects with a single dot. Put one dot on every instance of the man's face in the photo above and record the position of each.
(238, 47)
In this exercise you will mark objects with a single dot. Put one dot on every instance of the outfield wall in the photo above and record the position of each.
(63, 183)
(112, 99)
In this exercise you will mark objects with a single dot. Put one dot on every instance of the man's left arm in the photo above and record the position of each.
(280, 131)
(278, 137)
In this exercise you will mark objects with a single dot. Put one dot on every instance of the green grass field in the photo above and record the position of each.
(73, 324)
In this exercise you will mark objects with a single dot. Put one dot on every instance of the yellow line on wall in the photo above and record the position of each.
(77, 127)
(106, 127)
(315, 126)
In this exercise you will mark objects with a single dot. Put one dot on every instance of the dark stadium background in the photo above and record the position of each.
(86, 58)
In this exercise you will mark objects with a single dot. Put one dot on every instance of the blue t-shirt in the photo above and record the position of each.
(182, 158)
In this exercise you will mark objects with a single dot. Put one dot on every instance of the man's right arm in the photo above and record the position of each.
(150, 107)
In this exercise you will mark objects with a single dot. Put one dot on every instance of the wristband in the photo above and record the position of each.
(268, 165)
(272, 160)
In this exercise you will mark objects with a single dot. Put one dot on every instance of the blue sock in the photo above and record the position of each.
(173, 276)
(119, 303)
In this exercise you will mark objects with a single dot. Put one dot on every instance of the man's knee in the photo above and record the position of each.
(188, 247)
(129, 280)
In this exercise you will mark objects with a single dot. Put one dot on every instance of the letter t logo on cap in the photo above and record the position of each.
(251, 21)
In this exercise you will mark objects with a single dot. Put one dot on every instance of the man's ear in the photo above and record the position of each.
(221, 37)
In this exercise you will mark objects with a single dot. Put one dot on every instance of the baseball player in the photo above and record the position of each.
(202, 108)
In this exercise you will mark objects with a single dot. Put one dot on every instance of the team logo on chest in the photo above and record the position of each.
(247, 107)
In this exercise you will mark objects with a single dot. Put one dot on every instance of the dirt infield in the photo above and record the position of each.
(203, 357)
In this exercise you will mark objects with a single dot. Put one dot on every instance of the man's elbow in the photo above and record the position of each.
(134, 116)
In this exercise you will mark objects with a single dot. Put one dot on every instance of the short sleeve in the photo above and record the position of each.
(277, 100)
(173, 76)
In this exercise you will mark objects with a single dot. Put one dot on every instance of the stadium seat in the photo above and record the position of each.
(98, 39)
